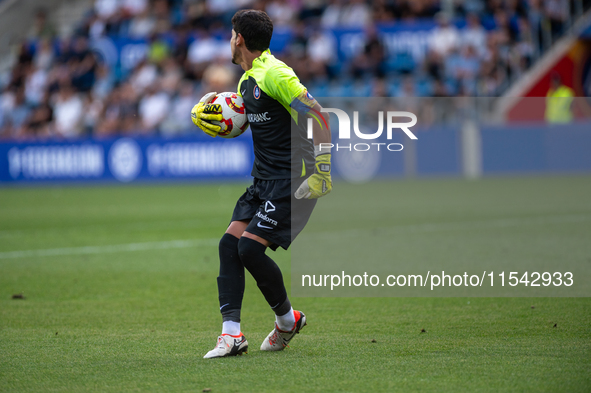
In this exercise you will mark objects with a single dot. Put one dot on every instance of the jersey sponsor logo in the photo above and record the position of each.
(269, 207)
(258, 117)
(243, 92)
(266, 218)
(256, 92)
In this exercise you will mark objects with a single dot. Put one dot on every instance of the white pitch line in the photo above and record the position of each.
(88, 250)
(353, 232)
(135, 226)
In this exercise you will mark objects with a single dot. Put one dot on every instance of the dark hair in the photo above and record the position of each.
(255, 26)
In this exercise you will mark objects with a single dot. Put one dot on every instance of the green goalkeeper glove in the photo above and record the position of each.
(320, 183)
(204, 112)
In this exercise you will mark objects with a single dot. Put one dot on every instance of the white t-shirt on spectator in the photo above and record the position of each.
(208, 49)
(476, 38)
(177, 120)
(153, 109)
(35, 86)
(144, 77)
(280, 12)
(68, 115)
(220, 6)
(6, 105)
(444, 39)
(106, 8)
(321, 48)
(141, 26)
(356, 15)
(7, 101)
(331, 16)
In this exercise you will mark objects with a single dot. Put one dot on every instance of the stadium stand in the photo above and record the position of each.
(136, 67)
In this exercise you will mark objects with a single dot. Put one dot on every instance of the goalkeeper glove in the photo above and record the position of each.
(320, 183)
(204, 112)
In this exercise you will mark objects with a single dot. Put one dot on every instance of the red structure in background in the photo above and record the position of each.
(573, 68)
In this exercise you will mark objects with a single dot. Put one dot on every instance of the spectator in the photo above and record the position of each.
(38, 125)
(557, 11)
(128, 106)
(93, 108)
(407, 96)
(444, 37)
(109, 122)
(321, 52)
(474, 34)
(371, 60)
(178, 121)
(153, 108)
(281, 12)
(42, 29)
(203, 51)
(68, 111)
(525, 45)
(206, 49)
(158, 50)
(44, 55)
(331, 17)
(35, 84)
(468, 64)
(356, 14)
(162, 14)
(171, 76)
(142, 25)
(95, 27)
(16, 111)
(559, 101)
(468, 68)
(219, 77)
(186, 52)
(144, 75)
(106, 9)
(82, 65)
(104, 82)
(132, 8)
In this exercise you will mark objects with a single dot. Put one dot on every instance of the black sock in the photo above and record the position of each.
(266, 273)
(231, 279)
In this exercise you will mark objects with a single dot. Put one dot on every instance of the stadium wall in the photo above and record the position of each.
(450, 151)
(126, 160)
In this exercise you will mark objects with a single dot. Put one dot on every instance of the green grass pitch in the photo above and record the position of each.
(120, 295)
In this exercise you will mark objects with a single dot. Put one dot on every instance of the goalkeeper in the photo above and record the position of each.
(290, 172)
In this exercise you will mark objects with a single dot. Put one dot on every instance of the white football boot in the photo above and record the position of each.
(278, 339)
(228, 346)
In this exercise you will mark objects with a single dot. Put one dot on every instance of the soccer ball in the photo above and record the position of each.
(234, 121)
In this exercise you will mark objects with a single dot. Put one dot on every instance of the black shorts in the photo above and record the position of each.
(273, 212)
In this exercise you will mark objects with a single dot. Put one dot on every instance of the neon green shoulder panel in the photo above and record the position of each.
(275, 78)
(244, 76)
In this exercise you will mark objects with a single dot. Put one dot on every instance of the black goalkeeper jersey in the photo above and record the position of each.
(276, 104)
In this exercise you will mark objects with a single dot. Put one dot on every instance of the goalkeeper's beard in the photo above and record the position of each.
(234, 57)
